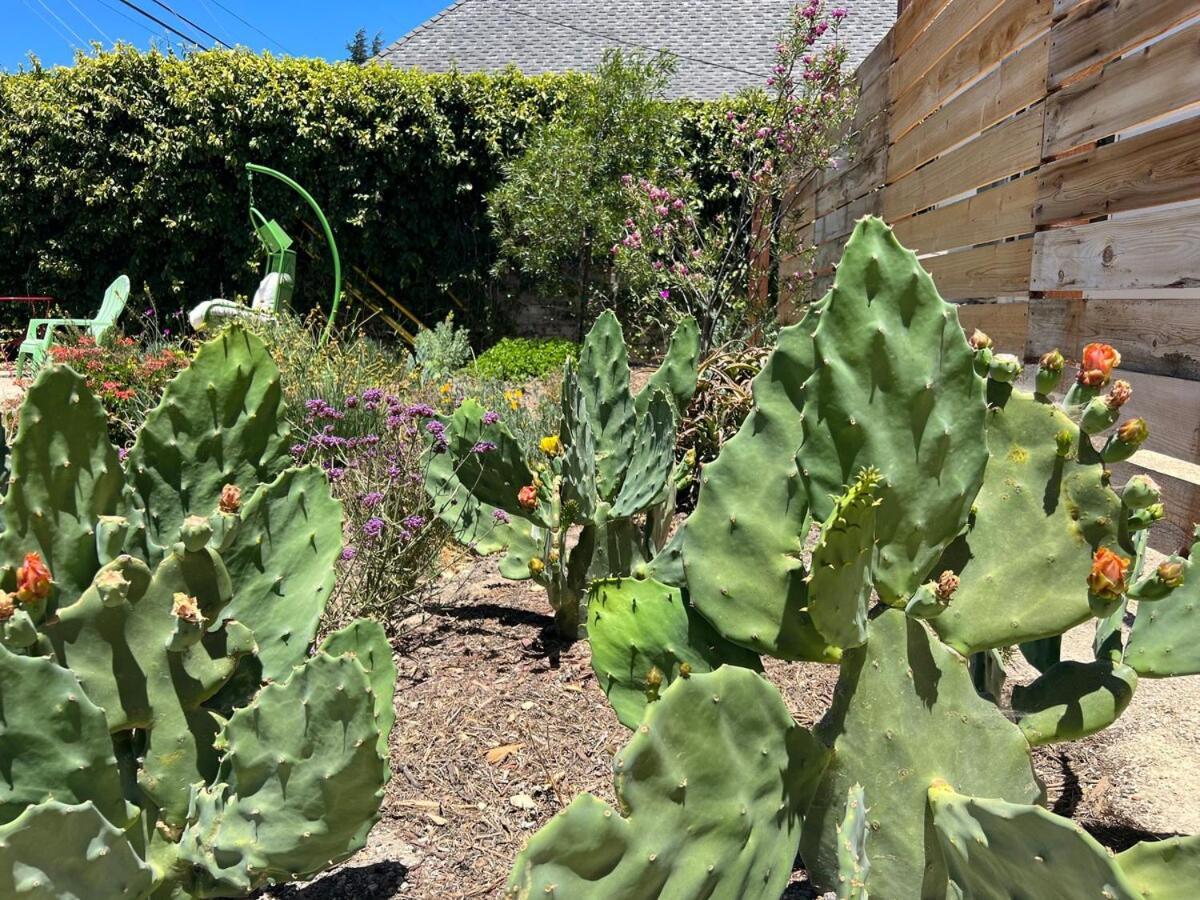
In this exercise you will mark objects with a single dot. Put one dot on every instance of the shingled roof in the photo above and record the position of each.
(722, 45)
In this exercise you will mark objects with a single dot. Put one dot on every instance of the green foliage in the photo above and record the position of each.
(517, 360)
(133, 633)
(440, 350)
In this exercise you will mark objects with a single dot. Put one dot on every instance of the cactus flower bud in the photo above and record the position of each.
(231, 500)
(1135, 431)
(551, 445)
(1119, 395)
(536, 566)
(527, 497)
(33, 580)
(552, 557)
(1097, 365)
(1050, 372)
(1099, 415)
(654, 678)
(947, 584)
(685, 670)
(195, 533)
(1107, 578)
(7, 608)
(1122, 445)
(1066, 443)
(1170, 574)
(112, 586)
(189, 623)
(1005, 368)
(979, 341)
(1141, 492)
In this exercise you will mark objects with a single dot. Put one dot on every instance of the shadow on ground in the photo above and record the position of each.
(379, 881)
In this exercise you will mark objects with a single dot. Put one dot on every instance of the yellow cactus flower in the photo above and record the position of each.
(536, 567)
(551, 445)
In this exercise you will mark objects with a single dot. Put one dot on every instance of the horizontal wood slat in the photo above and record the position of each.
(1160, 336)
(913, 20)
(982, 272)
(1148, 251)
(1181, 501)
(1158, 167)
(999, 212)
(1009, 26)
(1009, 148)
(1007, 324)
(1153, 82)
(1020, 81)
(1100, 30)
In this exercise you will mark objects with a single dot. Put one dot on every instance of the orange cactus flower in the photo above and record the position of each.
(1098, 363)
(7, 609)
(527, 497)
(186, 608)
(1107, 578)
(1134, 432)
(33, 579)
(231, 500)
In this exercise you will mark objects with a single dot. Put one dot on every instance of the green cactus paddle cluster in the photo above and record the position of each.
(144, 608)
(609, 471)
(895, 503)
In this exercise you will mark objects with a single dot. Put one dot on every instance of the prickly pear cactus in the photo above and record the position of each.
(853, 863)
(644, 635)
(711, 790)
(1165, 639)
(906, 714)
(1072, 700)
(894, 388)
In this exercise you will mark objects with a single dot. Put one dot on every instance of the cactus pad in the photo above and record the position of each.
(53, 851)
(604, 381)
(905, 714)
(676, 377)
(711, 789)
(1165, 639)
(1164, 870)
(639, 626)
(1072, 700)
(1012, 589)
(853, 865)
(651, 459)
(894, 388)
(997, 849)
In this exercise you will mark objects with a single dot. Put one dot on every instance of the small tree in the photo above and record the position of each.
(712, 255)
(360, 51)
(561, 204)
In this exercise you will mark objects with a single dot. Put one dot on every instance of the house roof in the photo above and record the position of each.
(722, 45)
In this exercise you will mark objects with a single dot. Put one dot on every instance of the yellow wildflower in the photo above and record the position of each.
(551, 445)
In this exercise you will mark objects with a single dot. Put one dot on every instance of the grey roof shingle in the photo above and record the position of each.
(723, 45)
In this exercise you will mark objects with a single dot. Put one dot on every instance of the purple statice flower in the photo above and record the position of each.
(394, 471)
(415, 523)
(421, 411)
(373, 527)
(436, 428)
(372, 499)
(351, 402)
(491, 418)
(394, 421)
(349, 553)
(372, 395)
(501, 517)
(483, 447)
(122, 454)
(298, 450)
(314, 405)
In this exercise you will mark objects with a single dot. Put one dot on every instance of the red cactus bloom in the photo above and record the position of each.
(527, 497)
(1107, 578)
(231, 500)
(33, 579)
(1098, 363)
(1119, 395)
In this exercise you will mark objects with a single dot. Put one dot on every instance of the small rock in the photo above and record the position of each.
(436, 820)
(523, 801)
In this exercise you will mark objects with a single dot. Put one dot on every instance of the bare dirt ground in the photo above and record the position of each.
(499, 726)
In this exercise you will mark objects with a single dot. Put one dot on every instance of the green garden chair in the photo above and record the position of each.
(39, 337)
(274, 291)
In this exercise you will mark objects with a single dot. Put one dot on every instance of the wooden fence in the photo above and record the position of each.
(1043, 158)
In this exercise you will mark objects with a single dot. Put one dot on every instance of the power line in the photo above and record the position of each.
(609, 37)
(215, 20)
(50, 25)
(128, 18)
(188, 21)
(88, 19)
(153, 18)
(61, 22)
(221, 5)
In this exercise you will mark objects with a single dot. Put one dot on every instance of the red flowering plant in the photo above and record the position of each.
(710, 251)
(125, 376)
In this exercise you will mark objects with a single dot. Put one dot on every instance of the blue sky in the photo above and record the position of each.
(50, 28)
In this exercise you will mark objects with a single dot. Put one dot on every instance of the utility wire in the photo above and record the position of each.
(188, 21)
(215, 20)
(609, 37)
(66, 40)
(221, 5)
(153, 18)
(64, 24)
(88, 19)
(128, 18)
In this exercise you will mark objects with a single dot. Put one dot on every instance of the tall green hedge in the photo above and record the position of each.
(132, 162)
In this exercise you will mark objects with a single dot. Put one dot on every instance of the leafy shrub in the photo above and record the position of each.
(521, 359)
(126, 377)
(441, 350)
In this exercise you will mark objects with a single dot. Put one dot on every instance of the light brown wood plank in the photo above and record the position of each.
(860, 177)
(1007, 324)
(1011, 25)
(1153, 82)
(1159, 336)
(913, 21)
(1150, 251)
(996, 213)
(1020, 81)
(1151, 169)
(1100, 30)
(1062, 7)
(1012, 146)
(1181, 500)
(840, 222)
(952, 25)
(983, 271)
(872, 72)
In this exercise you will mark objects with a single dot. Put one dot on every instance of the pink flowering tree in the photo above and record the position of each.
(713, 254)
